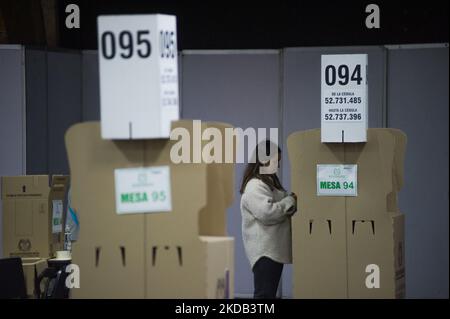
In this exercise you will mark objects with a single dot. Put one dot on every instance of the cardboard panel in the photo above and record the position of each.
(219, 266)
(398, 169)
(361, 230)
(110, 250)
(110, 269)
(375, 160)
(32, 268)
(36, 111)
(214, 85)
(399, 255)
(179, 261)
(319, 258)
(36, 187)
(152, 255)
(219, 195)
(375, 230)
(176, 269)
(399, 157)
(305, 152)
(175, 257)
(27, 215)
(63, 105)
(318, 230)
(376, 242)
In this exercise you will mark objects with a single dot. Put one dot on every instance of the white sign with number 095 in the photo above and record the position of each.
(138, 75)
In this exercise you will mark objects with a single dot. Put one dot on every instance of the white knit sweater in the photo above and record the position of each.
(266, 222)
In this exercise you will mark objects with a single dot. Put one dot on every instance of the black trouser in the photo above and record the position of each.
(266, 276)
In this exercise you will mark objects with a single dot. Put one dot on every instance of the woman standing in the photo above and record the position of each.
(266, 224)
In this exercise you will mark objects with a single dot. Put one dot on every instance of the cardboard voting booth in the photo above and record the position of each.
(344, 98)
(33, 215)
(348, 246)
(180, 251)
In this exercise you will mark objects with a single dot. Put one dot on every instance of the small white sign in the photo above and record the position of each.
(138, 75)
(337, 180)
(143, 190)
(57, 216)
(344, 98)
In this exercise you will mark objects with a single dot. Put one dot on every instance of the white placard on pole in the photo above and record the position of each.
(344, 98)
(138, 75)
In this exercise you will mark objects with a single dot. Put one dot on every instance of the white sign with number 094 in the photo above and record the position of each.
(344, 98)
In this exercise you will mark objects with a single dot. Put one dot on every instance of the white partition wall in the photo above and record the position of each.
(40, 97)
(407, 90)
(90, 86)
(36, 89)
(43, 92)
(12, 115)
(63, 104)
(418, 104)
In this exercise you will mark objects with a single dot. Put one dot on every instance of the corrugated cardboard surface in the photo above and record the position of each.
(155, 255)
(103, 235)
(320, 222)
(27, 214)
(354, 231)
(32, 268)
(219, 252)
(376, 242)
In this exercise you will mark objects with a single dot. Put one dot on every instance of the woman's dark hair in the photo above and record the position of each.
(252, 170)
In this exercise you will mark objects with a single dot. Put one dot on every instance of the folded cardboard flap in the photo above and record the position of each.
(375, 256)
(212, 218)
(26, 187)
(319, 257)
(399, 254)
(363, 227)
(305, 152)
(319, 231)
(154, 255)
(320, 227)
(399, 157)
(375, 160)
(219, 266)
(32, 268)
(61, 180)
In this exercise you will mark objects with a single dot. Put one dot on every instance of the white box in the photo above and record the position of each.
(344, 98)
(138, 75)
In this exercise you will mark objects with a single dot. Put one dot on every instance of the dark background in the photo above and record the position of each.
(272, 24)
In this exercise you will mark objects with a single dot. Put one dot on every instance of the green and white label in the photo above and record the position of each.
(337, 180)
(344, 98)
(57, 216)
(143, 190)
